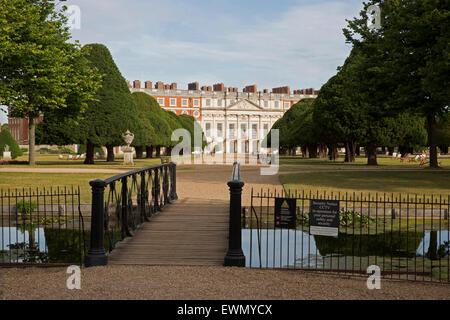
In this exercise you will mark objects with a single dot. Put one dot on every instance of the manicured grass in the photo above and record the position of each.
(51, 160)
(413, 182)
(293, 163)
(25, 180)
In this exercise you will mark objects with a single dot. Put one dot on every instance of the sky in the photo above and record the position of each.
(268, 43)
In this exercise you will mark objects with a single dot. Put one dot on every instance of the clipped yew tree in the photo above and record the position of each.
(6, 139)
(113, 111)
(152, 115)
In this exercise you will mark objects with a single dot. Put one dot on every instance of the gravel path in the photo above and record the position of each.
(196, 283)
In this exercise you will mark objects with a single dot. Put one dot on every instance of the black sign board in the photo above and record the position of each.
(324, 217)
(285, 216)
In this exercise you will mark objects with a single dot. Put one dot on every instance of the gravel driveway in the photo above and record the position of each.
(157, 282)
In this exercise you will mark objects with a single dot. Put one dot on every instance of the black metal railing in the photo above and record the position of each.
(406, 236)
(122, 203)
(41, 226)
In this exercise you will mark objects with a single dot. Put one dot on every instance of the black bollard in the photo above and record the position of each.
(235, 257)
(97, 255)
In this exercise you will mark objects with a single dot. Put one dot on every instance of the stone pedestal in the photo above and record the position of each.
(7, 155)
(128, 156)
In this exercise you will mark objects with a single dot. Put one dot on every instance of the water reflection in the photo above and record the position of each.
(294, 248)
(41, 245)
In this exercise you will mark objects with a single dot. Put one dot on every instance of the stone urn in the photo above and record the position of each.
(128, 151)
(6, 153)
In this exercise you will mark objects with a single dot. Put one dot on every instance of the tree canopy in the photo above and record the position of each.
(41, 69)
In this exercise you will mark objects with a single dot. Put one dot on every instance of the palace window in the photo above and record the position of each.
(161, 102)
(254, 131)
(243, 131)
(219, 102)
(265, 129)
(231, 130)
(208, 129)
(208, 102)
(196, 102)
(287, 105)
(277, 104)
(266, 104)
(184, 102)
(173, 102)
(219, 130)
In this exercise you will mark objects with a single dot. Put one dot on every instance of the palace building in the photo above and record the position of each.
(233, 121)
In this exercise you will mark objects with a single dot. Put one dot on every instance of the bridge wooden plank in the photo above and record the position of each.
(187, 232)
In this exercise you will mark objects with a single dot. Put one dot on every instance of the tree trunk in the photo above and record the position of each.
(358, 150)
(312, 149)
(371, 151)
(305, 153)
(431, 128)
(332, 152)
(168, 151)
(350, 148)
(292, 151)
(149, 151)
(391, 151)
(323, 151)
(31, 140)
(110, 153)
(433, 247)
(158, 151)
(89, 153)
(139, 152)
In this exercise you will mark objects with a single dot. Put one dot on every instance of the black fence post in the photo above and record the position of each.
(173, 188)
(235, 256)
(125, 231)
(97, 255)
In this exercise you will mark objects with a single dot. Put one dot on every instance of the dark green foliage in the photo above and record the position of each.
(26, 207)
(82, 150)
(114, 111)
(153, 117)
(7, 139)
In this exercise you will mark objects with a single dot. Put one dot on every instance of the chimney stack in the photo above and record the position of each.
(193, 86)
(173, 86)
(250, 89)
(137, 84)
(219, 87)
(129, 84)
(159, 85)
(148, 84)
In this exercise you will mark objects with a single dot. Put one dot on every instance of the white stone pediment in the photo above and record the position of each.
(245, 105)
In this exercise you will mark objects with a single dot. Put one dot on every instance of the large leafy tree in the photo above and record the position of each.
(41, 69)
(113, 111)
(413, 42)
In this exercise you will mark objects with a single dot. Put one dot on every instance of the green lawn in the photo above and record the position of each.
(413, 182)
(297, 162)
(51, 160)
(26, 180)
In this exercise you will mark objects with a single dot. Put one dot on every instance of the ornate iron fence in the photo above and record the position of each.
(407, 237)
(122, 203)
(41, 226)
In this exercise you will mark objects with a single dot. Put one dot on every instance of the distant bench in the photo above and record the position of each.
(165, 159)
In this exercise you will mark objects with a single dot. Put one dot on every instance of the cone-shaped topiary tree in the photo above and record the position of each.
(113, 112)
(6, 138)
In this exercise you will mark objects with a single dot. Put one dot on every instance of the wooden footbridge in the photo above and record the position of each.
(138, 218)
(187, 232)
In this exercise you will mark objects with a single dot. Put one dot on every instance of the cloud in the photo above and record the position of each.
(173, 41)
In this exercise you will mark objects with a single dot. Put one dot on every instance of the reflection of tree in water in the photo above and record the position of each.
(434, 252)
(63, 245)
(400, 244)
(25, 252)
